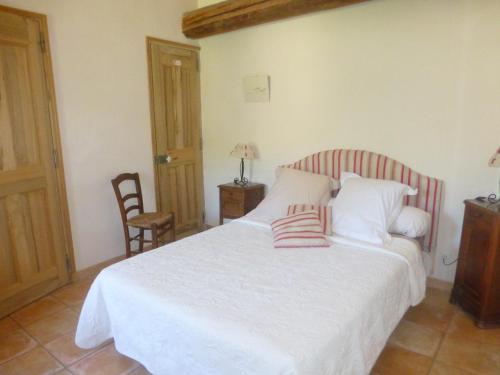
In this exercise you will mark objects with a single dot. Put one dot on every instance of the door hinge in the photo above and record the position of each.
(54, 158)
(203, 217)
(42, 43)
(201, 143)
(198, 63)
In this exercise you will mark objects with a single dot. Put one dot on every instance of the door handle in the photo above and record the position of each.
(165, 159)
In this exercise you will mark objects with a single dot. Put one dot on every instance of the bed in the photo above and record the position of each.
(226, 301)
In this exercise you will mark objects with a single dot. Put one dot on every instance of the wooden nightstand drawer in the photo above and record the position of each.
(477, 216)
(232, 195)
(237, 201)
(232, 208)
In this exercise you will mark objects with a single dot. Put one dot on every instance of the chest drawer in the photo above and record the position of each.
(232, 196)
(232, 203)
(476, 217)
(232, 208)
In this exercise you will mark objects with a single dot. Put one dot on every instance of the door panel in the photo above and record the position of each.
(175, 98)
(18, 144)
(32, 242)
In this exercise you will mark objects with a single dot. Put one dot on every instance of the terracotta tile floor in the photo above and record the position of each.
(433, 338)
(39, 339)
(437, 338)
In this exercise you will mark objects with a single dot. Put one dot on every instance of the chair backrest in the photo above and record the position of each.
(123, 198)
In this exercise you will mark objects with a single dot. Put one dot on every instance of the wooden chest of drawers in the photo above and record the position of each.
(236, 201)
(477, 281)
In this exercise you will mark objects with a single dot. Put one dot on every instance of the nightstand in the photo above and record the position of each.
(477, 281)
(236, 201)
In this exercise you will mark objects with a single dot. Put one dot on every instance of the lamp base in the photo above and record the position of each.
(241, 182)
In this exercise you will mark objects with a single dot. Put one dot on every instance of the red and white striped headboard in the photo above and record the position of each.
(372, 165)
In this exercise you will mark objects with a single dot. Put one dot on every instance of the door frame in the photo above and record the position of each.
(149, 41)
(56, 138)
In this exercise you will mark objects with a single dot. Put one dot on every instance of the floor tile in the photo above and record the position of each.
(439, 284)
(53, 326)
(37, 310)
(462, 326)
(106, 361)
(398, 361)
(438, 297)
(7, 326)
(431, 316)
(442, 369)
(15, 344)
(72, 294)
(34, 362)
(417, 338)
(65, 350)
(476, 357)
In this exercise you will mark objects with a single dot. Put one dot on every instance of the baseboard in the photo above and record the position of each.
(439, 284)
(92, 271)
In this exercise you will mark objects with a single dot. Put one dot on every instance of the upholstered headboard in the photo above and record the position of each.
(372, 165)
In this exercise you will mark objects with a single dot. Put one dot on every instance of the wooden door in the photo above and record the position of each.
(33, 242)
(175, 112)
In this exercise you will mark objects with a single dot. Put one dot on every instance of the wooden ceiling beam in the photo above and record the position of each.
(236, 14)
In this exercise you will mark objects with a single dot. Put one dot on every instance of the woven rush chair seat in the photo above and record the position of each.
(146, 219)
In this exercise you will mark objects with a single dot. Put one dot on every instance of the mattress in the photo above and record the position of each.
(226, 302)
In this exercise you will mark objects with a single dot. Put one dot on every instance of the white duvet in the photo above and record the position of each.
(226, 302)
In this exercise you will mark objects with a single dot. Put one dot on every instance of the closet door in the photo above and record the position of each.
(33, 246)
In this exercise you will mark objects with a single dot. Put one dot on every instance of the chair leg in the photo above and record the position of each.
(154, 235)
(128, 252)
(173, 227)
(141, 240)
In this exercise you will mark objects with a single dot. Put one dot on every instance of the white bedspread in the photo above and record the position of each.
(226, 302)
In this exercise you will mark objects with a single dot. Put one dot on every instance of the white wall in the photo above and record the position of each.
(100, 68)
(416, 80)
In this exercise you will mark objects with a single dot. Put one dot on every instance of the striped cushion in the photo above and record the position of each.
(324, 212)
(299, 230)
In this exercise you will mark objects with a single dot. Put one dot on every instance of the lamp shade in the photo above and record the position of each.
(495, 159)
(243, 151)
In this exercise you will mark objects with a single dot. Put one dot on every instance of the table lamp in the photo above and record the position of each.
(242, 151)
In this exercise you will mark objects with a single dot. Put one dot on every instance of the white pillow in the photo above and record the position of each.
(291, 186)
(365, 208)
(334, 185)
(345, 175)
(411, 222)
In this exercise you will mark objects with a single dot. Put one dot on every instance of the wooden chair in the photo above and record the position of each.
(157, 222)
